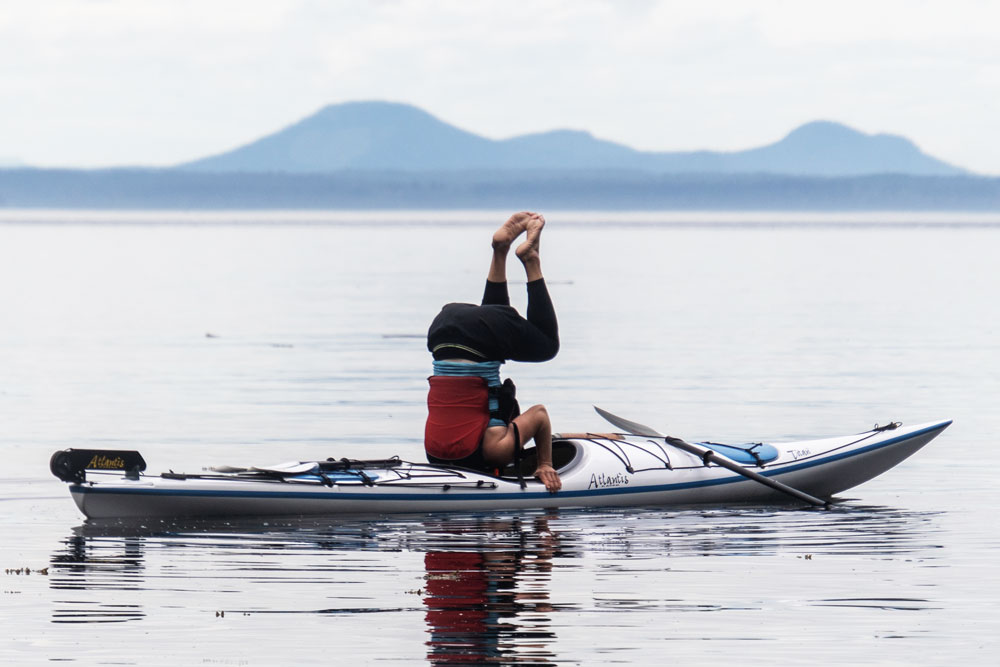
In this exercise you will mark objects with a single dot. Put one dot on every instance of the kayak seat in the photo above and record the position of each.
(753, 453)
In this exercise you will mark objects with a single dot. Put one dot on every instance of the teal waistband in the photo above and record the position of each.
(488, 370)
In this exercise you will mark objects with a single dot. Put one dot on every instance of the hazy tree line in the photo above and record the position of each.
(172, 189)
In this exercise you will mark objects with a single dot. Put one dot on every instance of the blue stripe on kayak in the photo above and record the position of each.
(450, 496)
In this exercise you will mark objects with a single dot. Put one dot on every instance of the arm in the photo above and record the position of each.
(499, 445)
(535, 423)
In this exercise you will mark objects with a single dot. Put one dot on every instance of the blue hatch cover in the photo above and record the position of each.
(754, 453)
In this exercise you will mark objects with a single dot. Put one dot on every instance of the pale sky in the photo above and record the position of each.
(91, 83)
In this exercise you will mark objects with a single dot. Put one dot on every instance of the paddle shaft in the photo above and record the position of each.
(707, 455)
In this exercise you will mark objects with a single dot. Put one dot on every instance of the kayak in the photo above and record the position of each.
(597, 470)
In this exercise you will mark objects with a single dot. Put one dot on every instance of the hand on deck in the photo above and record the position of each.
(548, 476)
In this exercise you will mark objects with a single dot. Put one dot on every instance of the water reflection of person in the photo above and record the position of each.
(477, 601)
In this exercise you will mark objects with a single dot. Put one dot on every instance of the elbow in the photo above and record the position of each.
(551, 351)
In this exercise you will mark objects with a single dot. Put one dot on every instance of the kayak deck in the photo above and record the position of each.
(596, 469)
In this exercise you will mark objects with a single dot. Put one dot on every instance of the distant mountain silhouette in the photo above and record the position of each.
(824, 148)
(384, 136)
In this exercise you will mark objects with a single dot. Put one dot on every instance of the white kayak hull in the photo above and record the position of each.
(596, 472)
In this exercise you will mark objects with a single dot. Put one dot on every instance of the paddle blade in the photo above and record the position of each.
(628, 426)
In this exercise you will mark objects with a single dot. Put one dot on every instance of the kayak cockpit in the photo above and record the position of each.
(566, 455)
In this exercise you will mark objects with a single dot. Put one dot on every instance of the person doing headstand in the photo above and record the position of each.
(469, 423)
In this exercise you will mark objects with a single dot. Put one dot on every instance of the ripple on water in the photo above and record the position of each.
(468, 574)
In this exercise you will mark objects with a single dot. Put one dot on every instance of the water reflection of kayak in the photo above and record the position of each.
(596, 470)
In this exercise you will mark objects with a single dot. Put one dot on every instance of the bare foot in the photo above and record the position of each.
(510, 230)
(528, 251)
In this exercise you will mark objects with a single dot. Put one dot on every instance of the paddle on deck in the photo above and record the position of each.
(707, 455)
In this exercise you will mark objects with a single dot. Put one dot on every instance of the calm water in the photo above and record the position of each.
(256, 338)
